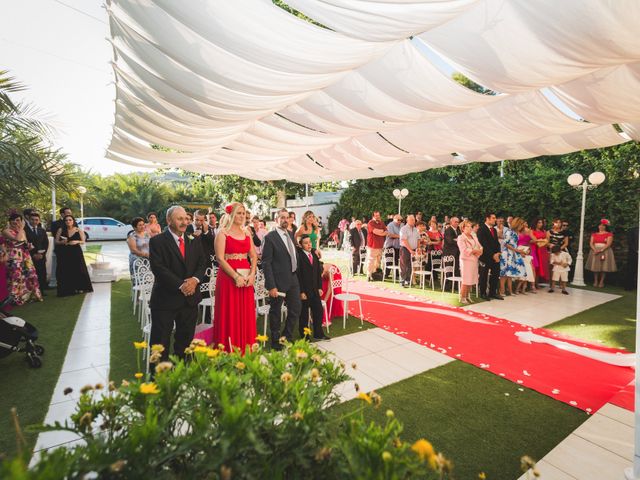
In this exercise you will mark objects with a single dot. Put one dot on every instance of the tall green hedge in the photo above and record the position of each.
(530, 188)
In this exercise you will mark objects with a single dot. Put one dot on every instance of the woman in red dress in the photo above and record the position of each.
(234, 311)
(601, 260)
(542, 268)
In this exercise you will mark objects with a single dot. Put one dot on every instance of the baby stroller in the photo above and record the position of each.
(17, 335)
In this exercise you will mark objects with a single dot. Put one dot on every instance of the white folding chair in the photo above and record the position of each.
(344, 297)
(141, 267)
(449, 273)
(418, 269)
(143, 293)
(261, 298)
(363, 260)
(210, 287)
(435, 257)
(389, 263)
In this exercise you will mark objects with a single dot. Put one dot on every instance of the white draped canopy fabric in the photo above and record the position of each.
(247, 88)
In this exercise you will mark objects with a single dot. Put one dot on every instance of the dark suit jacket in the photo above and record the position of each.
(38, 239)
(55, 226)
(355, 238)
(206, 242)
(490, 243)
(170, 271)
(450, 242)
(276, 263)
(309, 276)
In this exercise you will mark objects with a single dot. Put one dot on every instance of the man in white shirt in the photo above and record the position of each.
(409, 240)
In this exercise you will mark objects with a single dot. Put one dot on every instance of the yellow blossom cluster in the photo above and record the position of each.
(262, 338)
(149, 388)
(425, 452)
(140, 345)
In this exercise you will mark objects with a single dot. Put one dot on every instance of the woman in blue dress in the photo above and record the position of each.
(512, 264)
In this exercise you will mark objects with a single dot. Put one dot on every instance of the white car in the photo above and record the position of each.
(104, 228)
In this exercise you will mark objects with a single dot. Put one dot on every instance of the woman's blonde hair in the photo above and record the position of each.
(306, 215)
(517, 224)
(226, 222)
(464, 223)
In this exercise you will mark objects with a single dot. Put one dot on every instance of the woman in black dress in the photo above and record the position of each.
(71, 270)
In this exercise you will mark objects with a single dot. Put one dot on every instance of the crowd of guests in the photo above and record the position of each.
(501, 256)
(24, 245)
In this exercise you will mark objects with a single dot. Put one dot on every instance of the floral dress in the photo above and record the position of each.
(22, 279)
(511, 263)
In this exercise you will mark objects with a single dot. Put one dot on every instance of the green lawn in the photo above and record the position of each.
(464, 412)
(28, 389)
(612, 323)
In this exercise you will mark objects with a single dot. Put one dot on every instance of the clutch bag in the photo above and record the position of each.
(243, 271)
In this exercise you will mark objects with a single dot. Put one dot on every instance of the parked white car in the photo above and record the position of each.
(104, 228)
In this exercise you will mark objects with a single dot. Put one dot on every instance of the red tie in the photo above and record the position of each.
(493, 232)
(310, 258)
(181, 246)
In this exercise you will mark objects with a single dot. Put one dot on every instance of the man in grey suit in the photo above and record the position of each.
(279, 263)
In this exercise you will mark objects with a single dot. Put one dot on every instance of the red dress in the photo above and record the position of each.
(542, 269)
(234, 318)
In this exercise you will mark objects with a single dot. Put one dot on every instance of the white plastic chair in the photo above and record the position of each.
(436, 264)
(417, 269)
(344, 297)
(210, 287)
(141, 267)
(449, 273)
(389, 259)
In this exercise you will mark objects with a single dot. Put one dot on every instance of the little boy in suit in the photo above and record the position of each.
(310, 279)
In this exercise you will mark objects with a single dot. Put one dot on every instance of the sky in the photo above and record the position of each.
(62, 57)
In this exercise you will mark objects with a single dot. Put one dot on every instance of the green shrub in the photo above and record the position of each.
(261, 415)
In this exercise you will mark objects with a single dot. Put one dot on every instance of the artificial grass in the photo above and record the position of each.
(612, 324)
(465, 412)
(125, 329)
(29, 389)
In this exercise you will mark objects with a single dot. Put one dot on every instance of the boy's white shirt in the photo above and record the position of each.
(562, 257)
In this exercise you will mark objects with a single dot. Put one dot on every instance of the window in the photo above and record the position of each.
(91, 221)
(110, 222)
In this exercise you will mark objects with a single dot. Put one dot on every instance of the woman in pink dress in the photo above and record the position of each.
(470, 250)
(234, 310)
(542, 253)
(153, 228)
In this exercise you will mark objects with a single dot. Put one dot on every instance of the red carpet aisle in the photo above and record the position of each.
(625, 397)
(490, 343)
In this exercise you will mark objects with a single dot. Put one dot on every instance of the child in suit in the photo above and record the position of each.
(310, 278)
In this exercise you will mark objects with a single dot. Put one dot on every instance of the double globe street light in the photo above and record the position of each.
(578, 182)
(400, 195)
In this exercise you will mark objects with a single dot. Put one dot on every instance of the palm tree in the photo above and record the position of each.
(28, 163)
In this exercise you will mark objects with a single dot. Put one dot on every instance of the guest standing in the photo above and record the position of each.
(376, 233)
(358, 241)
(490, 259)
(409, 239)
(436, 237)
(309, 226)
(560, 264)
(512, 267)
(72, 276)
(280, 264)
(450, 243)
(22, 278)
(37, 237)
(542, 269)
(178, 265)
(234, 316)
(291, 226)
(470, 250)
(557, 236)
(392, 239)
(204, 232)
(310, 278)
(153, 227)
(600, 260)
(54, 227)
(138, 243)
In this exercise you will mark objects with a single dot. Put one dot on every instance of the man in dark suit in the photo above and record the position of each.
(490, 258)
(358, 240)
(178, 265)
(205, 234)
(55, 226)
(280, 263)
(310, 280)
(37, 237)
(450, 242)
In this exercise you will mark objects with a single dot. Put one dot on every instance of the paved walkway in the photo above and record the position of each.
(86, 362)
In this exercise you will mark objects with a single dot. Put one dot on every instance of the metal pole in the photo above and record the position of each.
(399, 204)
(634, 473)
(82, 209)
(53, 200)
(306, 194)
(578, 276)
(501, 168)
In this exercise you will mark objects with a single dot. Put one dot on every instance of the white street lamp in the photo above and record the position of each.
(577, 181)
(82, 190)
(400, 195)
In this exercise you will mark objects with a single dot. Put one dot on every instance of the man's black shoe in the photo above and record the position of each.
(485, 297)
(497, 297)
(319, 339)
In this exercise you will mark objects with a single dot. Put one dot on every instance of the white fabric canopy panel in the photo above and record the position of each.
(246, 88)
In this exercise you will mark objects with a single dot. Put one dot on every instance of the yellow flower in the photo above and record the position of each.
(375, 398)
(262, 338)
(213, 352)
(138, 375)
(86, 389)
(140, 345)
(286, 377)
(301, 354)
(155, 357)
(200, 349)
(363, 396)
(125, 383)
(315, 374)
(163, 367)
(297, 416)
(316, 358)
(482, 476)
(386, 456)
(157, 348)
(149, 389)
(307, 331)
(390, 414)
(240, 366)
(423, 449)
(198, 342)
